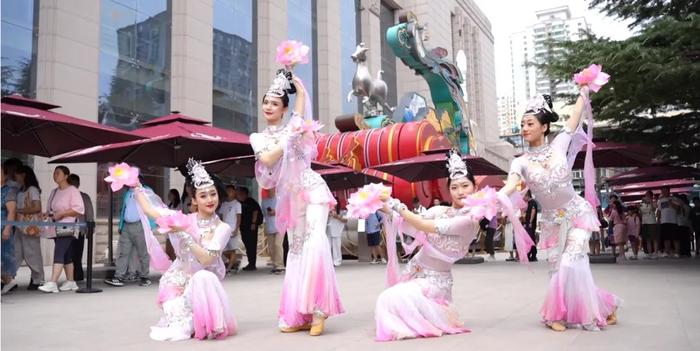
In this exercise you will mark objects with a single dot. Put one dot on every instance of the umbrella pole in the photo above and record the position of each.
(110, 230)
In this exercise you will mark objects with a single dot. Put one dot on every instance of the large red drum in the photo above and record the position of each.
(370, 147)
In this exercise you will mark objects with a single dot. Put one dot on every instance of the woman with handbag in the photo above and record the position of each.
(65, 205)
(27, 241)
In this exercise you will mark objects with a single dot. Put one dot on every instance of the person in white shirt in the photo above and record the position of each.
(336, 226)
(685, 230)
(417, 207)
(230, 213)
(274, 238)
(650, 228)
(667, 215)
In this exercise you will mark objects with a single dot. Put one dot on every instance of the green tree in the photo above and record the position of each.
(653, 96)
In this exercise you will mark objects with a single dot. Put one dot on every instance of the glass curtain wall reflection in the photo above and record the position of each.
(134, 78)
(235, 68)
(20, 34)
(301, 26)
(134, 61)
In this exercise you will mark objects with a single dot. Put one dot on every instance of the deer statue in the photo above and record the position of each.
(362, 81)
(373, 92)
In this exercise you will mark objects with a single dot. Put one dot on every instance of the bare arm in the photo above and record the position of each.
(238, 223)
(575, 118)
(271, 156)
(67, 213)
(11, 207)
(145, 205)
(417, 221)
(202, 255)
(301, 96)
(511, 184)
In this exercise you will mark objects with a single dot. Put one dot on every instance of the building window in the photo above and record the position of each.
(134, 78)
(386, 21)
(134, 83)
(301, 26)
(235, 68)
(20, 34)
(349, 38)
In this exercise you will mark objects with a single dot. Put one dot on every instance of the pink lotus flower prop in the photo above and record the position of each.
(483, 203)
(121, 175)
(173, 222)
(292, 52)
(366, 201)
(593, 77)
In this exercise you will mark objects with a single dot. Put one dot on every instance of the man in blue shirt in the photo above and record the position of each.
(373, 229)
(131, 239)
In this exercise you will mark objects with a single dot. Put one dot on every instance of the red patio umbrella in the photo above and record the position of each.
(493, 181)
(340, 178)
(654, 173)
(432, 166)
(610, 154)
(171, 140)
(244, 166)
(672, 183)
(28, 126)
(636, 195)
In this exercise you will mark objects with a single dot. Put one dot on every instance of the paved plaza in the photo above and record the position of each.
(499, 302)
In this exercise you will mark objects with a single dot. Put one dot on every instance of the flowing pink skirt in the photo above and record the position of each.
(211, 314)
(572, 297)
(416, 308)
(309, 285)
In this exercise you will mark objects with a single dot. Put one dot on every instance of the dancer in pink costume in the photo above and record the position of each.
(190, 291)
(419, 302)
(567, 219)
(284, 152)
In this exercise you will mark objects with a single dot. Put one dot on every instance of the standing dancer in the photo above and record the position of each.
(420, 302)
(190, 291)
(567, 219)
(284, 153)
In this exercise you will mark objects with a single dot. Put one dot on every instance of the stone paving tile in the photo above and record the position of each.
(499, 302)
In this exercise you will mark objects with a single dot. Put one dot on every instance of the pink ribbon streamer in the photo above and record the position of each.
(577, 141)
(158, 258)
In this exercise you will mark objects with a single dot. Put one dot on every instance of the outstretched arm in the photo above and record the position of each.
(148, 209)
(415, 220)
(301, 96)
(573, 121)
(511, 184)
(271, 156)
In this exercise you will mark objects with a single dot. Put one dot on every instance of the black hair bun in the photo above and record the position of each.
(549, 116)
(288, 74)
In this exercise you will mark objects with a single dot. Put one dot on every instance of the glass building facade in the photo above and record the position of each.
(134, 78)
(20, 34)
(301, 26)
(235, 66)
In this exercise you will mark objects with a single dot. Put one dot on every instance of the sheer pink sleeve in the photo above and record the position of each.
(561, 142)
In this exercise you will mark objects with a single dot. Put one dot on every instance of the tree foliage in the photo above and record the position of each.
(653, 95)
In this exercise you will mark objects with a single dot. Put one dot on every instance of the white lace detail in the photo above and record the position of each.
(576, 207)
(441, 280)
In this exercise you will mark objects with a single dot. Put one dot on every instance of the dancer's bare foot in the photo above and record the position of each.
(295, 329)
(612, 318)
(317, 326)
(556, 326)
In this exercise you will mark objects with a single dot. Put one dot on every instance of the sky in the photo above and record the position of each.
(521, 14)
